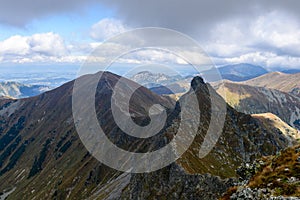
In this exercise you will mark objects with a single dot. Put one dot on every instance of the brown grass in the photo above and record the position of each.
(277, 171)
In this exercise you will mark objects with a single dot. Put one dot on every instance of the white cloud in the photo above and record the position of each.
(51, 48)
(37, 47)
(15, 45)
(278, 32)
(47, 44)
(107, 28)
(271, 40)
(267, 59)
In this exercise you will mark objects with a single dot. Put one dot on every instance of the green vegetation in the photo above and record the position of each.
(62, 139)
(12, 133)
(14, 158)
(6, 105)
(231, 97)
(8, 151)
(38, 162)
(65, 147)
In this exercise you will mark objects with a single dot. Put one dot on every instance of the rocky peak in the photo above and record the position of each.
(197, 82)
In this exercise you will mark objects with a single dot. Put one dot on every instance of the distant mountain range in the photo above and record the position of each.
(241, 72)
(161, 83)
(290, 71)
(19, 90)
(42, 156)
(149, 79)
(236, 72)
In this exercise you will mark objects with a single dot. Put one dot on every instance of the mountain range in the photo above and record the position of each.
(19, 90)
(42, 156)
(255, 100)
(237, 72)
(275, 92)
(241, 72)
(150, 79)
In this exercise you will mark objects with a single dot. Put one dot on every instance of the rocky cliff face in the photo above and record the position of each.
(42, 156)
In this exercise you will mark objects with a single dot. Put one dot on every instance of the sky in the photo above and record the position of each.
(52, 32)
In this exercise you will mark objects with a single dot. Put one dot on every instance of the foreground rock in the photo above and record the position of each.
(273, 177)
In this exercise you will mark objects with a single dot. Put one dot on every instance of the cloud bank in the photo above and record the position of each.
(107, 28)
(20, 13)
(260, 31)
(35, 47)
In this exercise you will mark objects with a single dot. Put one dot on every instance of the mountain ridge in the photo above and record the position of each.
(44, 157)
(289, 83)
(256, 99)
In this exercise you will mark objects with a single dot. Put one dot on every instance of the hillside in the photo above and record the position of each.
(18, 90)
(42, 156)
(275, 123)
(289, 83)
(255, 100)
